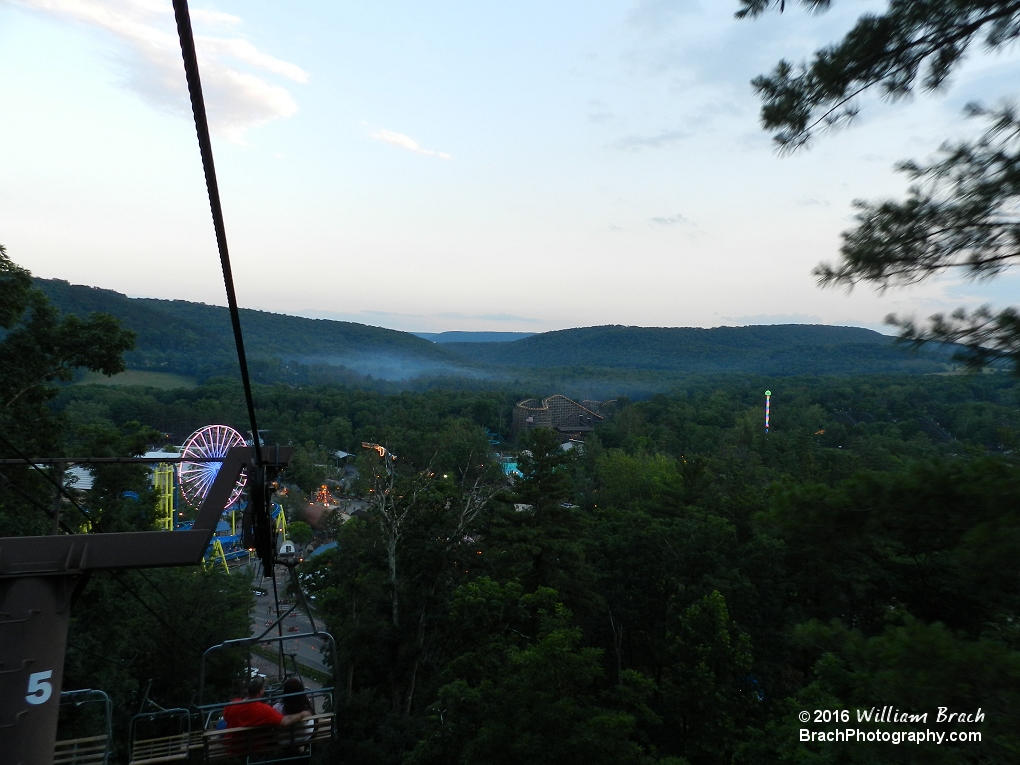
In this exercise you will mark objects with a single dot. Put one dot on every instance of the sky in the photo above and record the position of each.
(432, 166)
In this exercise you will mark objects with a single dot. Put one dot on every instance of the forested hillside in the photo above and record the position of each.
(778, 349)
(194, 339)
(676, 593)
(679, 591)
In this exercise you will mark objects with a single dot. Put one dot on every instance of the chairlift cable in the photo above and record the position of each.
(78, 648)
(21, 456)
(29, 498)
(156, 589)
(187, 38)
(151, 610)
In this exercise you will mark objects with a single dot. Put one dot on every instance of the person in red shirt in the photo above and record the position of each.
(252, 713)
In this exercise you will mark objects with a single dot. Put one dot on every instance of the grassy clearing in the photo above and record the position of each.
(162, 380)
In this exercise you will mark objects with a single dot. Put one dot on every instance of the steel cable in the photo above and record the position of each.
(184, 32)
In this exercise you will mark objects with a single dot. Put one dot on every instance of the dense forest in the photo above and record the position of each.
(681, 589)
(194, 339)
(688, 586)
(677, 591)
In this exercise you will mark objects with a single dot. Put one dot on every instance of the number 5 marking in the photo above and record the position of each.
(39, 690)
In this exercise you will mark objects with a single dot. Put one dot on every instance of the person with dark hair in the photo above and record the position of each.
(295, 701)
(253, 713)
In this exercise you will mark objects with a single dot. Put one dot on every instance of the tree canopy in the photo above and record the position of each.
(674, 592)
(42, 347)
(913, 41)
(960, 212)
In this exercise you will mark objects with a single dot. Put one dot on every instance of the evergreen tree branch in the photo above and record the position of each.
(984, 338)
(963, 212)
(914, 39)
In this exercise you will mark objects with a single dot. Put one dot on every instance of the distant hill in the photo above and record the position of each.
(194, 339)
(773, 349)
(473, 337)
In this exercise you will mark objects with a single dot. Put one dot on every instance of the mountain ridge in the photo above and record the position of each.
(674, 348)
(195, 339)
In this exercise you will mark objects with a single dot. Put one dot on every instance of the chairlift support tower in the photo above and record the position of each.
(39, 578)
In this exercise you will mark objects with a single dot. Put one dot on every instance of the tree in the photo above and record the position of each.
(41, 348)
(46, 347)
(301, 533)
(383, 597)
(523, 688)
(706, 690)
(909, 666)
(537, 538)
(960, 214)
(132, 629)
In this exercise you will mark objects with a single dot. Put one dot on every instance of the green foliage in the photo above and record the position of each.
(781, 349)
(515, 696)
(940, 540)
(311, 466)
(194, 340)
(956, 217)
(133, 632)
(535, 535)
(959, 212)
(912, 667)
(707, 690)
(913, 39)
(40, 349)
(16, 288)
(300, 532)
(676, 593)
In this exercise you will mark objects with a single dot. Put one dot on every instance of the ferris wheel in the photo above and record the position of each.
(196, 476)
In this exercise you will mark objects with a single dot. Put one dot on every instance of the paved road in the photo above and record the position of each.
(308, 651)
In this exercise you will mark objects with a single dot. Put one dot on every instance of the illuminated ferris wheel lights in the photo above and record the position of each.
(196, 477)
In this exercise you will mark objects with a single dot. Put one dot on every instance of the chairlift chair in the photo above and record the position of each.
(97, 720)
(163, 735)
(269, 744)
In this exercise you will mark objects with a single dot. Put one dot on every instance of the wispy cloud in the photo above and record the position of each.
(150, 55)
(405, 142)
(657, 141)
(671, 220)
(599, 113)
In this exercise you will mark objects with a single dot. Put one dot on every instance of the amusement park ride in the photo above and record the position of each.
(40, 577)
(195, 475)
